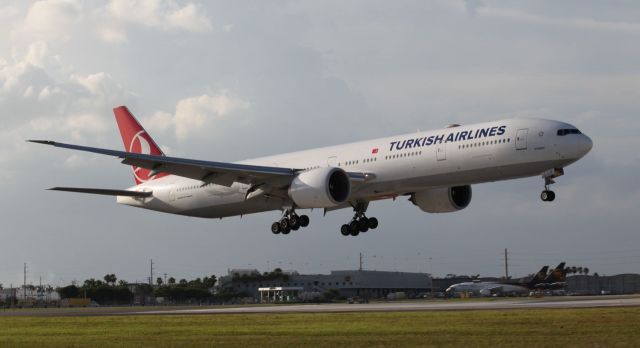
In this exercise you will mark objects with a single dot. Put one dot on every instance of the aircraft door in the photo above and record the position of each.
(441, 152)
(521, 139)
(332, 161)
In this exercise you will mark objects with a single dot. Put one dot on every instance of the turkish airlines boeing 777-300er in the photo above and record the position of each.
(434, 169)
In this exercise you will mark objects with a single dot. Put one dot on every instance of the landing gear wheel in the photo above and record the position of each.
(363, 224)
(294, 222)
(345, 230)
(275, 227)
(547, 196)
(373, 223)
(286, 230)
(552, 196)
(304, 221)
(354, 229)
(284, 224)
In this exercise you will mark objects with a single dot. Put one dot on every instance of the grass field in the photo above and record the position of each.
(560, 327)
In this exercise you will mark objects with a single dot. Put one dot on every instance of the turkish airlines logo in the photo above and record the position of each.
(140, 144)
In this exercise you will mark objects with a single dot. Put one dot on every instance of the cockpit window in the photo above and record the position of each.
(563, 132)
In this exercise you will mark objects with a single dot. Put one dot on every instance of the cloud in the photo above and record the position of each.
(573, 22)
(51, 20)
(159, 14)
(190, 19)
(197, 115)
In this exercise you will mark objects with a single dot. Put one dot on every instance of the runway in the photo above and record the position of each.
(434, 305)
(411, 305)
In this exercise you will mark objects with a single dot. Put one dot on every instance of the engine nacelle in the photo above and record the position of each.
(320, 188)
(442, 200)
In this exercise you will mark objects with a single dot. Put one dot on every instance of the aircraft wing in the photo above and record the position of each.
(221, 173)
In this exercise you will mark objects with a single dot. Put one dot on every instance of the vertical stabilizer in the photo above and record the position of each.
(136, 140)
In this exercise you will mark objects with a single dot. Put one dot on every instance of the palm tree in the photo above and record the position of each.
(171, 280)
(586, 270)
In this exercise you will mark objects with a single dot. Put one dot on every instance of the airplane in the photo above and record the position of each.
(556, 279)
(540, 281)
(435, 169)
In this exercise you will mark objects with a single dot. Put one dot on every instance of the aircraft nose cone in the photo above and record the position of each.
(586, 144)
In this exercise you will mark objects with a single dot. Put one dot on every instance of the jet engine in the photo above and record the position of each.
(442, 200)
(320, 188)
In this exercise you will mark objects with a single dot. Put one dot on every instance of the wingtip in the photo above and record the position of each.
(46, 142)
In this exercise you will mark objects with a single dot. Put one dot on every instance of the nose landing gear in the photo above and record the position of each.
(290, 222)
(548, 195)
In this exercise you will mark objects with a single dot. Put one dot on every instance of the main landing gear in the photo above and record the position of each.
(359, 223)
(290, 221)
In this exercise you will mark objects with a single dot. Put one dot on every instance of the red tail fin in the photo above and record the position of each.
(136, 140)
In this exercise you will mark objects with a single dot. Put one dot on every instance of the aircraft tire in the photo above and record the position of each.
(286, 230)
(544, 196)
(294, 222)
(551, 197)
(373, 223)
(284, 223)
(304, 221)
(363, 224)
(353, 226)
(275, 227)
(345, 230)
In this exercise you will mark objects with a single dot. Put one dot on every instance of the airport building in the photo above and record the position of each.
(597, 285)
(31, 295)
(291, 284)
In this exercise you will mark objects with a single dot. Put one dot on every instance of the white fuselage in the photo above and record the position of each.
(488, 288)
(462, 155)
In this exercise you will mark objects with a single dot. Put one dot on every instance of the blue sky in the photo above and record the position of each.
(234, 80)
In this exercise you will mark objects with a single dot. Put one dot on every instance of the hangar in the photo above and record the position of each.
(349, 283)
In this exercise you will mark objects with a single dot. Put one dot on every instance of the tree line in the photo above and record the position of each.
(111, 291)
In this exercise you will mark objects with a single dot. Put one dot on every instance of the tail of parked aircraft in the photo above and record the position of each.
(539, 277)
(137, 140)
(558, 275)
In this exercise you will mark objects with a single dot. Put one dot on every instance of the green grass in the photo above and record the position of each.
(540, 328)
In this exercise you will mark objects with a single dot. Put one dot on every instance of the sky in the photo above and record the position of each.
(232, 80)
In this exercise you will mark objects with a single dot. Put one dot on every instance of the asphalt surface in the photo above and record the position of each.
(574, 302)
(415, 305)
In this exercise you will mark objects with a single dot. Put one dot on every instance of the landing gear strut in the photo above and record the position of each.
(548, 195)
(290, 222)
(360, 223)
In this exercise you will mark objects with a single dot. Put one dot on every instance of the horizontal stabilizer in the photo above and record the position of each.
(105, 192)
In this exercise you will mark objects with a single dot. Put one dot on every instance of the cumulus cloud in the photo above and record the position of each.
(190, 19)
(160, 14)
(195, 115)
(59, 20)
(50, 20)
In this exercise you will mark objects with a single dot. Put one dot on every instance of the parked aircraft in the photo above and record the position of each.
(555, 280)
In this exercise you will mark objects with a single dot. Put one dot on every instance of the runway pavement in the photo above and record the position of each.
(551, 302)
(411, 305)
